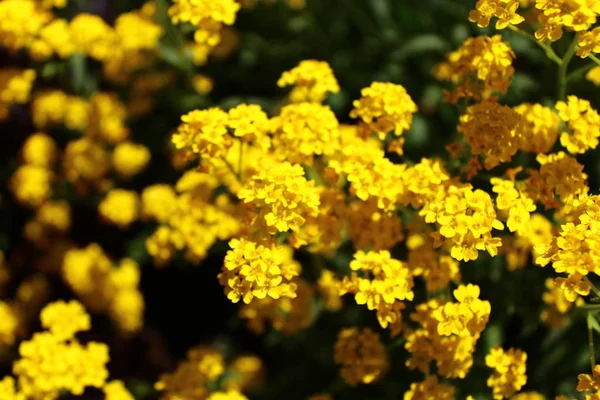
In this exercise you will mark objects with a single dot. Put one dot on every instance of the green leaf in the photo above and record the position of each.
(426, 43)
(593, 322)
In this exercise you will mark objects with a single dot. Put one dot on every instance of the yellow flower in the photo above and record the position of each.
(39, 149)
(593, 75)
(92, 36)
(116, 390)
(137, 32)
(129, 159)
(228, 395)
(31, 185)
(21, 22)
(509, 371)
(504, 10)
(312, 81)
(15, 86)
(361, 354)
(574, 286)
(557, 14)
(107, 118)
(256, 271)
(198, 12)
(202, 366)
(383, 108)
(120, 207)
(54, 361)
(204, 133)
(9, 324)
(283, 197)
(430, 388)
(64, 320)
(538, 130)
(499, 124)
(481, 68)
(583, 122)
(202, 84)
(305, 130)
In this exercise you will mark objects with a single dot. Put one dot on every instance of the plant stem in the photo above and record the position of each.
(547, 48)
(594, 288)
(594, 59)
(230, 168)
(591, 341)
(562, 69)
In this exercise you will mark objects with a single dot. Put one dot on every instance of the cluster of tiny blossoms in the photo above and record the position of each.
(386, 236)
(54, 362)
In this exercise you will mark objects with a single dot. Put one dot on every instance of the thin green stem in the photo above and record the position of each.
(594, 288)
(562, 69)
(594, 59)
(547, 48)
(229, 167)
(591, 341)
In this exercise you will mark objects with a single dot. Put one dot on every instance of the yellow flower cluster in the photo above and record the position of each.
(31, 183)
(590, 382)
(538, 232)
(120, 207)
(54, 361)
(559, 175)
(15, 88)
(210, 133)
(9, 324)
(361, 355)
(509, 371)
(290, 185)
(252, 270)
(538, 129)
(304, 130)
(204, 368)
(282, 198)
(452, 353)
(129, 159)
(51, 220)
(588, 42)
(557, 305)
(465, 218)
(208, 18)
(486, 124)
(576, 248)
(188, 219)
(513, 204)
(383, 108)
(583, 122)
(504, 10)
(430, 388)
(86, 162)
(121, 49)
(22, 20)
(437, 268)
(557, 15)
(105, 288)
(370, 174)
(285, 314)
(312, 81)
(50, 108)
(386, 283)
(468, 316)
(481, 68)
